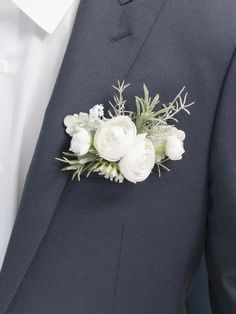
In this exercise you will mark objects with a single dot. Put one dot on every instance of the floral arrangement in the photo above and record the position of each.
(125, 145)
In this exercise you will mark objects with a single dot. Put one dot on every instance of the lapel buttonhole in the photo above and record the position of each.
(124, 2)
(121, 36)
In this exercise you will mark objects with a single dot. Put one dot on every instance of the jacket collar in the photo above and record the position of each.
(45, 13)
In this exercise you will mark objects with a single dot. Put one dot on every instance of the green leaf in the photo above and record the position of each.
(62, 160)
(75, 174)
(76, 167)
(138, 108)
(146, 94)
(88, 158)
(154, 102)
(69, 154)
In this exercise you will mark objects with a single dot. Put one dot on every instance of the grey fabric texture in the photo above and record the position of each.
(198, 300)
(97, 247)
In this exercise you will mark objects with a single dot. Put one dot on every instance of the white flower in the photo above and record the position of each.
(114, 138)
(96, 115)
(158, 139)
(138, 163)
(174, 148)
(97, 112)
(110, 171)
(81, 142)
(74, 122)
(168, 141)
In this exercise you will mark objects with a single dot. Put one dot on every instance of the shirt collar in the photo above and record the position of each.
(46, 13)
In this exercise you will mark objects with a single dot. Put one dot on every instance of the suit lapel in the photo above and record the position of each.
(106, 38)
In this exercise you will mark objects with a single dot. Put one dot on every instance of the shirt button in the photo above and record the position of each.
(3, 65)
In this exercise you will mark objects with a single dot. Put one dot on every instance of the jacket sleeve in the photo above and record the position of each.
(221, 226)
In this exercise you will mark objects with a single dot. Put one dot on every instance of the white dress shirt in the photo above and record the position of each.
(33, 39)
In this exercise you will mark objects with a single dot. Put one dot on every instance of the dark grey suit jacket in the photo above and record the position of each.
(96, 247)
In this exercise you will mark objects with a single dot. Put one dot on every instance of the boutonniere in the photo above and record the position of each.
(124, 144)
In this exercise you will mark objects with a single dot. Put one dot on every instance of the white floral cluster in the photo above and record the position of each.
(114, 148)
(116, 140)
(81, 127)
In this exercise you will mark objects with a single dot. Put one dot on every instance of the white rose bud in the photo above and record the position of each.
(81, 142)
(138, 163)
(114, 138)
(174, 148)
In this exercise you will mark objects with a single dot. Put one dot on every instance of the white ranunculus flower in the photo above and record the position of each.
(81, 142)
(114, 138)
(174, 148)
(168, 141)
(138, 163)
